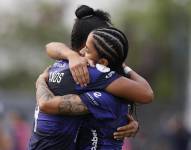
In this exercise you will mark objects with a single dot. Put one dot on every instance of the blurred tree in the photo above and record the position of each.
(48, 26)
(159, 44)
(24, 38)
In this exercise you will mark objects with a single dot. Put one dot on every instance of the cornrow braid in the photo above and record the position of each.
(103, 47)
(111, 44)
(112, 40)
(118, 34)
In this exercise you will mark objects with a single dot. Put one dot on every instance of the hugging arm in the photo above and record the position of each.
(77, 64)
(136, 89)
(129, 130)
(58, 51)
(70, 104)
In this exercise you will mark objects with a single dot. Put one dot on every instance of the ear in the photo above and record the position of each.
(82, 52)
(103, 61)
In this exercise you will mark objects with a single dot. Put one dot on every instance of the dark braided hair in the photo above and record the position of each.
(112, 45)
(87, 20)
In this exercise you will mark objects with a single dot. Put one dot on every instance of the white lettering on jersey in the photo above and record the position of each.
(60, 64)
(109, 75)
(97, 94)
(102, 68)
(92, 99)
(55, 77)
(94, 140)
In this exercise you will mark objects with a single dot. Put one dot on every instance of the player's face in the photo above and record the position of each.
(89, 50)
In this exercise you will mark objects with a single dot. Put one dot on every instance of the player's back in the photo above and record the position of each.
(61, 83)
(56, 132)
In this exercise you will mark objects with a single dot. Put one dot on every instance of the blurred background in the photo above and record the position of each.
(159, 33)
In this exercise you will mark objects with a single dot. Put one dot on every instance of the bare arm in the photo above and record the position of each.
(77, 64)
(135, 89)
(58, 51)
(70, 104)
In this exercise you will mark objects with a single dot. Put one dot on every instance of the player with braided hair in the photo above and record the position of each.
(111, 44)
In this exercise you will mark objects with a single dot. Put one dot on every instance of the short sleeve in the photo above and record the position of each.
(103, 105)
(100, 78)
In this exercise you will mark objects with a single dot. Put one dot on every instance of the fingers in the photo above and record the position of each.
(78, 68)
(45, 73)
(124, 133)
(86, 74)
(46, 70)
(73, 72)
(80, 74)
(130, 118)
(129, 130)
(126, 127)
(124, 64)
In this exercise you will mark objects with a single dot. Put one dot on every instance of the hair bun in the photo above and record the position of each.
(84, 11)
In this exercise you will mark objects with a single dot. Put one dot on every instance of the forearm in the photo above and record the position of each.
(130, 90)
(70, 104)
(64, 105)
(135, 76)
(43, 94)
(139, 79)
(58, 51)
(135, 88)
(144, 85)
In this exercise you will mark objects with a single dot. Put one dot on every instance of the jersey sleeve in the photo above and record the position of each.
(100, 78)
(103, 105)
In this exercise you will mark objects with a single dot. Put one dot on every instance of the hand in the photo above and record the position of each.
(78, 67)
(43, 76)
(129, 130)
(124, 65)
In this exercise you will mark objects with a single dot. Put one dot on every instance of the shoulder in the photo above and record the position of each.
(102, 68)
(61, 64)
(100, 71)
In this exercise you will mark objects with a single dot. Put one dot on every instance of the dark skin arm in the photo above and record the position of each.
(135, 89)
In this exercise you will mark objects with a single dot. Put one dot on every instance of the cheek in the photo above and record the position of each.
(91, 57)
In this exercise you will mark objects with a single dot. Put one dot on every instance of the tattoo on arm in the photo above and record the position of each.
(42, 91)
(71, 104)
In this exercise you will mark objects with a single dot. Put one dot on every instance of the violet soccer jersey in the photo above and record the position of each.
(106, 114)
(59, 132)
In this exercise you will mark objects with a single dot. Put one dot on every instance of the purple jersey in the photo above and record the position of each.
(64, 129)
(107, 113)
